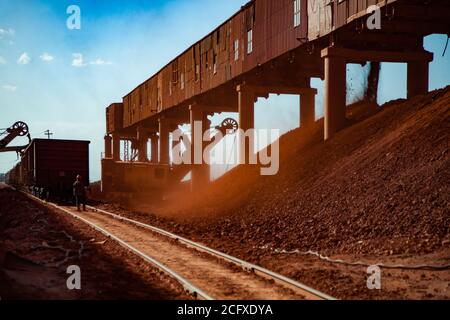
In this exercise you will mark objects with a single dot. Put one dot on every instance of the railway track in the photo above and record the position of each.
(205, 273)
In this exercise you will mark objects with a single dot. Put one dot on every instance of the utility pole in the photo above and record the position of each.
(48, 133)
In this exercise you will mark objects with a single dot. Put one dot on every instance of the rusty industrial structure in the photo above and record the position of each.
(18, 129)
(267, 47)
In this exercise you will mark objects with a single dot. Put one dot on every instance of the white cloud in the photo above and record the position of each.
(6, 32)
(46, 57)
(9, 88)
(24, 59)
(78, 61)
(2, 60)
(100, 62)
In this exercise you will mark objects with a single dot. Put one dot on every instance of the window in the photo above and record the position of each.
(297, 15)
(250, 16)
(250, 41)
(236, 50)
(175, 72)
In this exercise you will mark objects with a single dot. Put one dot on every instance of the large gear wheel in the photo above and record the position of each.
(21, 127)
(229, 126)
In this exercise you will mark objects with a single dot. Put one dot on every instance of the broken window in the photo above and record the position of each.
(297, 15)
(236, 50)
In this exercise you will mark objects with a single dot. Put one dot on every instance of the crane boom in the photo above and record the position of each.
(18, 129)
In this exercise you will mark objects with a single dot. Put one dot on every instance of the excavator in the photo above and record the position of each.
(18, 129)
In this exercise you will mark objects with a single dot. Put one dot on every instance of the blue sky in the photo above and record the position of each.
(60, 79)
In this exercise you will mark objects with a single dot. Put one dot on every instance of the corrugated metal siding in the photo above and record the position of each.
(273, 35)
(114, 117)
(192, 73)
(345, 9)
(320, 17)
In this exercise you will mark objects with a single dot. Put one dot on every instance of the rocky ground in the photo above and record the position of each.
(37, 245)
(379, 191)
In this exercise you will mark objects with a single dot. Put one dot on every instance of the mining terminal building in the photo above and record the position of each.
(267, 47)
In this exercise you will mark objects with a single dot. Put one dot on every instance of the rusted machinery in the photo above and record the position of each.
(18, 129)
(270, 47)
(121, 177)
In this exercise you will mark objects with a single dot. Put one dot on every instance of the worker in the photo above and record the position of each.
(79, 193)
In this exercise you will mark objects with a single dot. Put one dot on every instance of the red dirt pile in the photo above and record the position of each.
(381, 186)
(37, 245)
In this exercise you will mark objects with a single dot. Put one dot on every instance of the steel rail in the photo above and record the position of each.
(187, 286)
(263, 272)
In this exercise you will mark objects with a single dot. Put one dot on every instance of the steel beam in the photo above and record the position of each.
(246, 103)
(116, 147)
(418, 78)
(164, 132)
(362, 56)
(200, 175)
(308, 108)
(108, 146)
(335, 95)
(154, 140)
(142, 138)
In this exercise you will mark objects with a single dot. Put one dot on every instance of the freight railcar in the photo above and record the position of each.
(49, 167)
(13, 177)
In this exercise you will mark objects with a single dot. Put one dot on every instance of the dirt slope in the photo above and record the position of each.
(37, 244)
(380, 186)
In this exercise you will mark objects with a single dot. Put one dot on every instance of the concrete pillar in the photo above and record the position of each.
(418, 78)
(108, 147)
(164, 132)
(142, 143)
(307, 108)
(246, 105)
(335, 95)
(116, 147)
(200, 170)
(154, 140)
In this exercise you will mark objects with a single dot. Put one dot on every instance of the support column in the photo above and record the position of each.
(335, 95)
(116, 147)
(164, 132)
(108, 147)
(308, 108)
(418, 78)
(142, 142)
(154, 140)
(246, 139)
(199, 125)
